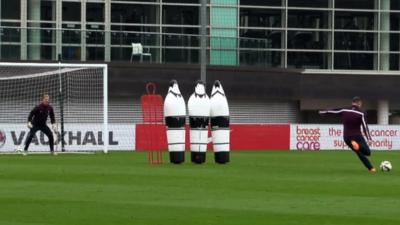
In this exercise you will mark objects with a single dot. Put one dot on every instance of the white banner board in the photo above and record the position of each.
(330, 137)
(77, 137)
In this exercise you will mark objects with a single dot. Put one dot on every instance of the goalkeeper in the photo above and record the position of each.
(37, 121)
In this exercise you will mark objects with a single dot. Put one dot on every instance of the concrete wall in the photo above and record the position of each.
(253, 83)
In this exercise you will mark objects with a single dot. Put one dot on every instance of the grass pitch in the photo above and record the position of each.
(279, 188)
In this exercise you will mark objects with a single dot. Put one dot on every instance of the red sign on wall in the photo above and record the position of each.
(260, 137)
(243, 137)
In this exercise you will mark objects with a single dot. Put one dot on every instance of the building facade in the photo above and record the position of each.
(318, 34)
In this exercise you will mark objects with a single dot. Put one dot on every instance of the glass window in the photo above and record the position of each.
(134, 13)
(385, 62)
(124, 54)
(47, 11)
(10, 52)
(354, 41)
(394, 21)
(355, 4)
(71, 53)
(181, 15)
(260, 38)
(34, 51)
(95, 53)
(260, 58)
(135, 28)
(95, 12)
(176, 55)
(224, 50)
(180, 40)
(181, 30)
(308, 60)
(354, 61)
(354, 20)
(126, 35)
(394, 41)
(182, 1)
(71, 11)
(308, 19)
(309, 3)
(121, 53)
(95, 34)
(47, 52)
(395, 5)
(262, 2)
(135, 0)
(10, 9)
(308, 40)
(71, 33)
(10, 34)
(34, 34)
(254, 43)
(260, 17)
(394, 62)
(390, 42)
(48, 34)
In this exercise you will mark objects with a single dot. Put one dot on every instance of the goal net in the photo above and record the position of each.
(78, 94)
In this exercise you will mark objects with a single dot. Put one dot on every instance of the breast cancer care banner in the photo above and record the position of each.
(330, 137)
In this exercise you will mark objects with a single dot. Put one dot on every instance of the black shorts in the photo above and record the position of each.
(360, 140)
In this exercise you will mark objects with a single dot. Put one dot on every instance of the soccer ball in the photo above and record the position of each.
(386, 166)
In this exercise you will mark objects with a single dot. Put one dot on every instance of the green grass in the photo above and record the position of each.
(279, 188)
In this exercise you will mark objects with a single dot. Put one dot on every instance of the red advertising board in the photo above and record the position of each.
(260, 137)
(243, 137)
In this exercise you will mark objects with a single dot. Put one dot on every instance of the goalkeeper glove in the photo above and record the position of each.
(54, 126)
(30, 125)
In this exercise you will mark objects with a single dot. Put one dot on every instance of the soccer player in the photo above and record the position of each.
(37, 121)
(353, 118)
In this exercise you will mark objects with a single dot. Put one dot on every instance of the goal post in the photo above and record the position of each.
(78, 94)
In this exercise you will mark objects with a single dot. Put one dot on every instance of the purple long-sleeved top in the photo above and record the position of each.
(353, 118)
(38, 116)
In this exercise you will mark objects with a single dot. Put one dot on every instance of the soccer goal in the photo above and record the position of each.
(78, 94)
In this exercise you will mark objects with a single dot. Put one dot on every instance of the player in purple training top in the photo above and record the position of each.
(353, 118)
(37, 121)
